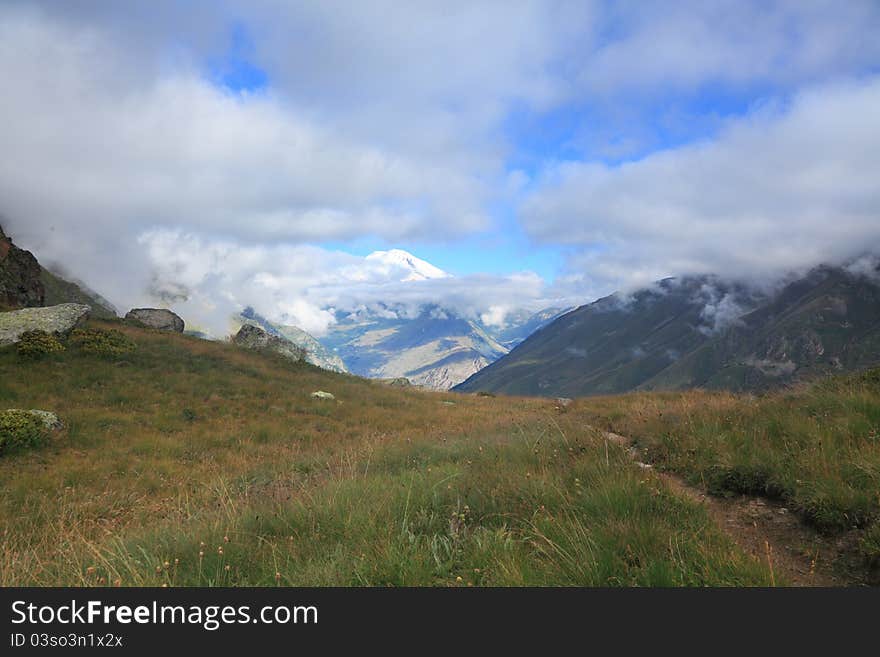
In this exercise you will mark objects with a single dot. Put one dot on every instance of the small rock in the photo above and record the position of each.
(156, 318)
(320, 394)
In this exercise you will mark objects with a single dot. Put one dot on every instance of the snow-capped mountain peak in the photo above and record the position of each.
(414, 269)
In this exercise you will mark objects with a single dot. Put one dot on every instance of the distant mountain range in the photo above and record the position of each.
(432, 346)
(435, 349)
(695, 331)
(699, 332)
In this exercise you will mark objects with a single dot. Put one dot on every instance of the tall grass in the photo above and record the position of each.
(817, 447)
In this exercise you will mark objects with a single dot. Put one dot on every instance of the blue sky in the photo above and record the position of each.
(253, 153)
(235, 69)
(609, 133)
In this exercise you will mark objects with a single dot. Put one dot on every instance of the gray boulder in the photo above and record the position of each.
(59, 320)
(253, 337)
(156, 318)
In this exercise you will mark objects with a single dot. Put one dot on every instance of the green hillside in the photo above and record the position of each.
(59, 290)
(191, 462)
(663, 339)
(188, 462)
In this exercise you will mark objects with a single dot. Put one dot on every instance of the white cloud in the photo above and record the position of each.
(389, 120)
(664, 46)
(783, 189)
(208, 280)
(721, 309)
(94, 160)
(495, 315)
(867, 266)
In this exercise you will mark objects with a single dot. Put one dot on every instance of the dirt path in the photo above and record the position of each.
(766, 529)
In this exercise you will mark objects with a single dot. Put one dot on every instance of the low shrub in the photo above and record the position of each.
(36, 344)
(869, 377)
(742, 480)
(102, 342)
(20, 429)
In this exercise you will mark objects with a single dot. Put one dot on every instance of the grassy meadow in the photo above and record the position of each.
(192, 463)
(815, 447)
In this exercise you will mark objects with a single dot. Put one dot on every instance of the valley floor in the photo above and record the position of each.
(194, 463)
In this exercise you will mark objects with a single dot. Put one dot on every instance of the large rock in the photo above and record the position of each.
(253, 337)
(58, 320)
(20, 284)
(156, 318)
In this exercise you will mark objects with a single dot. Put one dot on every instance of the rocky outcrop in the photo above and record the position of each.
(448, 372)
(315, 352)
(20, 284)
(58, 320)
(156, 318)
(253, 337)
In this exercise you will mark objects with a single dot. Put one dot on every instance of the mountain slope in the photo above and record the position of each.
(828, 321)
(59, 290)
(697, 331)
(315, 352)
(522, 324)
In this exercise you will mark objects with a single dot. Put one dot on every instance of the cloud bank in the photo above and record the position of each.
(208, 281)
(729, 137)
(787, 187)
